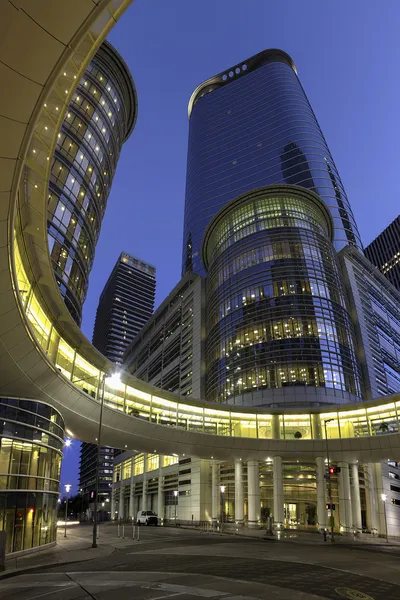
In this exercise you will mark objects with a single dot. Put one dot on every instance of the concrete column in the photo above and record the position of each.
(215, 507)
(160, 489)
(239, 494)
(253, 486)
(121, 502)
(113, 504)
(372, 509)
(144, 493)
(131, 496)
(345, 511)
(316, 426)
(322, 517)
(278, 490)
(355, 499)
(276, 432)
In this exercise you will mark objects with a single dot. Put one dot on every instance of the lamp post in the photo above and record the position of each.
(329, 477)
(67, 489)
(222, 488)
(116, 380)
(384, 498)
(176, 502)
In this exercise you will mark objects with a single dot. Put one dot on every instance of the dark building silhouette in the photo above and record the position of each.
(384, 252)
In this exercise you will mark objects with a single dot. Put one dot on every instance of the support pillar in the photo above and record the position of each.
(345, 511)
(355, 499)
(215, 508)
(112, 505)
(253, 486)
(160, 489)
(372, 509)
(144, 494)
(121, 502)
(131, 496)
(278, 491)
(275, 426)
(239, 495)
(316, 426)
(322, 517)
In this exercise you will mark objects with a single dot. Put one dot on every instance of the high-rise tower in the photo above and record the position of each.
(384, 252)
(125, 305)
(252, 126)
(99, 120)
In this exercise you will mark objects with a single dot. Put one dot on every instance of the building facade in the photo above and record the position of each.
(168, 352)
(87, 475)
(99, 120)
(126, 303)
(291, 493)
(252, 126)
(375, 306)
(384, 252)
(277, 319)
(31, 444)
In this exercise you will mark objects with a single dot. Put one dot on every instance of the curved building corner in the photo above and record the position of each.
(100, 118)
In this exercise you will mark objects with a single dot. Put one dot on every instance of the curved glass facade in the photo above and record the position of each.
(276, 314)
(249, 127)
(31, 443)
(100, 118)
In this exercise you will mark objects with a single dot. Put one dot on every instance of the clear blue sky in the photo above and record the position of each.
(347, 55)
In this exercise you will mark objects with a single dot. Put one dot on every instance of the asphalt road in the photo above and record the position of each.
(173, 563)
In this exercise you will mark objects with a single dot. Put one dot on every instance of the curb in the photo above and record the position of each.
(41, 566)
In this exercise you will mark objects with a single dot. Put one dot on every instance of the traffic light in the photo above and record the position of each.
(334, 470)
(92, 495)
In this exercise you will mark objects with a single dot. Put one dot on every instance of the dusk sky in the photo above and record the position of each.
(347, 56)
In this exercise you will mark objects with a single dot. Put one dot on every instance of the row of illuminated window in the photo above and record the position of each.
(134, 466)
(19, 457)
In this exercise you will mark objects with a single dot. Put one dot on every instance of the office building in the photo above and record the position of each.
(384, 252)
(87, 476)
(252, 126)
(99, 120)
(31, 445)
(375, 306)
(126, 303)
(168, 352)
(278, 329)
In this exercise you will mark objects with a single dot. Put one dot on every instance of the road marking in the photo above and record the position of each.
(352, 594)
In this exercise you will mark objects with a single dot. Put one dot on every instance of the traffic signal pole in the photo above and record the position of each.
(329, 480)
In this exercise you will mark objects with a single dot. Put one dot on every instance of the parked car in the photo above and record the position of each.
(146, 517)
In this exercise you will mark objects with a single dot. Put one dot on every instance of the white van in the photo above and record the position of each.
(146, 517)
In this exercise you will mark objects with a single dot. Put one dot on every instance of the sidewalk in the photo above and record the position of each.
(76, 547)
(301, 537)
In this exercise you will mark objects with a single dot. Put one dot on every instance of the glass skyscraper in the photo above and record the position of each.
(99, 120)
(249, 127)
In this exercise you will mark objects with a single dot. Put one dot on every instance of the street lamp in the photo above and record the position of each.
(114, 380)
(329, 478)
(384, 498)
(222, 488)
(67, 489)
(176, 502)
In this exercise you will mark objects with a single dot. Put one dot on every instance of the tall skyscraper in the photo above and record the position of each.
(100, 119)
(125, 305)
(384, 252)
(252, 126)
